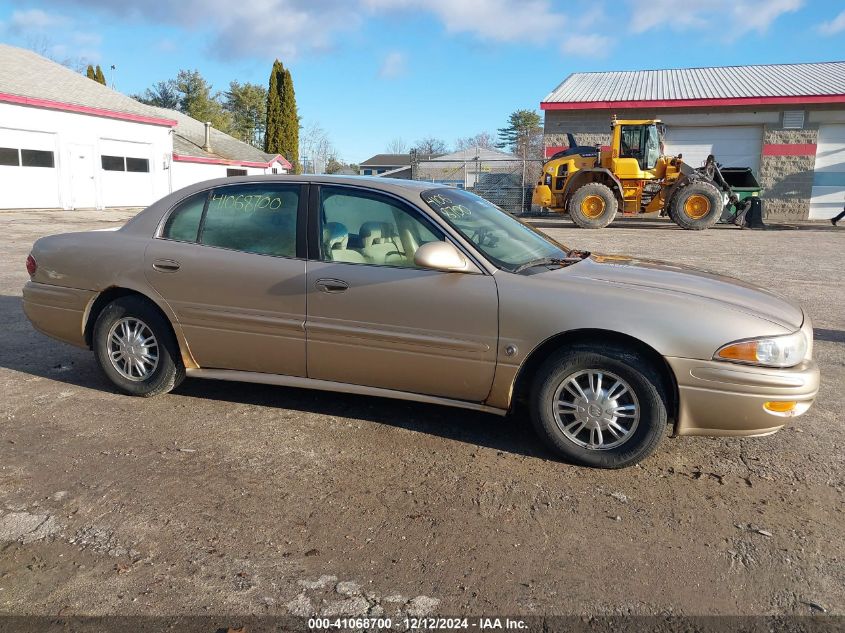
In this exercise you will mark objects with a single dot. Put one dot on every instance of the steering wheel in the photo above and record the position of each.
(484, 236)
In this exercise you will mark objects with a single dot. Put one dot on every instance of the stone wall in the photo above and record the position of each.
(787, 181)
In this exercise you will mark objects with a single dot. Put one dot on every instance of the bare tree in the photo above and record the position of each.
(397, 146)
(430, 145)
(315, 148)
(482, 140)
(44, 46)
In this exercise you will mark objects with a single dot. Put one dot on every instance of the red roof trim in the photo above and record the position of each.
(182, 158)
(691, 103)
(789, 149)
(551, 150)
(80, 109)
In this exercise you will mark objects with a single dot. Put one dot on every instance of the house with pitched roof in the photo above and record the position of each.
(67, 142)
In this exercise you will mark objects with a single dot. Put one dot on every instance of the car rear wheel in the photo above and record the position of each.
(598, 406)
(135, 348)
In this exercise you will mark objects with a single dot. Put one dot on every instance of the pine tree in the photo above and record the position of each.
(89, 72)
(99, 76)
(290, 125)
(273, 128)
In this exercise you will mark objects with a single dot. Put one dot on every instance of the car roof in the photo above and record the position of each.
(146, 221)
(373, 182)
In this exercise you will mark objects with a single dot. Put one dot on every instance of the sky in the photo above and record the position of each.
(370, 71)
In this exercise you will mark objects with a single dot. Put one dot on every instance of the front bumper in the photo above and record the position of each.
(718, 398)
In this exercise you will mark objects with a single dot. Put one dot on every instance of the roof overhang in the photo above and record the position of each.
(184, 158)
(35, 102)
(693, 103)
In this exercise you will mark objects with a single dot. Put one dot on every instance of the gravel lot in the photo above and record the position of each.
(227, 498)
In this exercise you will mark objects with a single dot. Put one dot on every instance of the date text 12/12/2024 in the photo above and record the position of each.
(414, 624)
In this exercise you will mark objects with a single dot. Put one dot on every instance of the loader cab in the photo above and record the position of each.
(635, 147)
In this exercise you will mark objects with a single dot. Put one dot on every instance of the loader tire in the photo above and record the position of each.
(593, 206)
(696, 207)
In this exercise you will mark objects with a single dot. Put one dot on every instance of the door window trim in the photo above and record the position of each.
(313, 237)
(301, 218)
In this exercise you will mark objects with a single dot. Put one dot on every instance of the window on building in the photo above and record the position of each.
(9, 157)
(137, 164)
(257, 219)
(368, 172)
(37, 158)
(275, 170)
(236, 172)
(113, 163)
(184, 221)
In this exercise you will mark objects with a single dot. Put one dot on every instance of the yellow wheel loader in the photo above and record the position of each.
(632, 176)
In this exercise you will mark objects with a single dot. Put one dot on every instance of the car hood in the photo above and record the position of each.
(679, 280)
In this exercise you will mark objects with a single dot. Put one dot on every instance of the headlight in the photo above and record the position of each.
(774, 351)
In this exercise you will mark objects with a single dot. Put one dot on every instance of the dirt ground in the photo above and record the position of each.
(228, 498)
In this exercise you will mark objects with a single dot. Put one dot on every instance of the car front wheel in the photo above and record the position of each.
(136, 349)
(598, 406)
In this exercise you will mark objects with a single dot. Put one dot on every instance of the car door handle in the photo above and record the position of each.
(166, 265)
(331, 285)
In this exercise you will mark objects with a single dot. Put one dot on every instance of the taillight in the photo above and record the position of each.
(31, 265)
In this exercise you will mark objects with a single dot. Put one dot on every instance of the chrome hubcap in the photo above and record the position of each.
(133, 349)
(596, 410)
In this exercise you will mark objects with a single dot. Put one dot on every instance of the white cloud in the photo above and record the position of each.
(35, 20)
(496, 20)
(587, 45)
(732, 17)
(393, 66)
(268, 28)
(834, 26)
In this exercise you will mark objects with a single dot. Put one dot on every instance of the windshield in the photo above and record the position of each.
(505, 241)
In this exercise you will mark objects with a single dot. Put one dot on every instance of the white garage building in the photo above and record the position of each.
(69, 142)
(784, 121)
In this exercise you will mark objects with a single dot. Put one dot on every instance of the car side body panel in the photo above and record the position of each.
(236, 310)
(407, 329)
(573, 302)
(58, 311)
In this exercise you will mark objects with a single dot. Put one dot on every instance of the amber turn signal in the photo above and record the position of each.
(780, 407)
(746, 352)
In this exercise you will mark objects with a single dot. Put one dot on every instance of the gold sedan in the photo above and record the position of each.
(427, 293)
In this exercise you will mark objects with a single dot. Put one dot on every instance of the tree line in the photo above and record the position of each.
(266, 118)
(522, 136)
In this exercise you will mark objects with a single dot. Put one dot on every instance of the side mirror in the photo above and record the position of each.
(440, 256)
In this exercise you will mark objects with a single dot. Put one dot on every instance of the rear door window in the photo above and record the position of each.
(184, 222)
(258, 218)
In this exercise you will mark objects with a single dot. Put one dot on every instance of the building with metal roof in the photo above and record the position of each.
(69, 142)
(785, 121)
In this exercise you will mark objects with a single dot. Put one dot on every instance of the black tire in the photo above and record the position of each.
(615, 363)
(703, 191)
(169, 371)
(604, 215)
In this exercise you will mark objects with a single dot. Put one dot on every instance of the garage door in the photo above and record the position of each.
(828, 195)
(733, 146)
(29, 170)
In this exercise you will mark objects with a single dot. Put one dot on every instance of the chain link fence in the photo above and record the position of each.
(506, 182)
